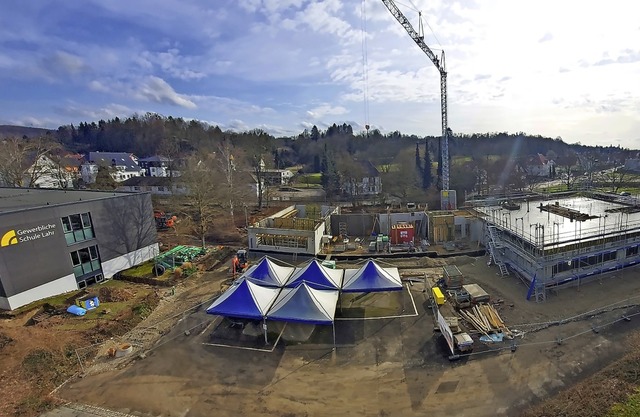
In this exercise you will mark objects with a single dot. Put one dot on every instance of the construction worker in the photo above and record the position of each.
(235, 265)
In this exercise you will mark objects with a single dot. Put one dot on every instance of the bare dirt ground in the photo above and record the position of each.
(380, 367)
(35, 358)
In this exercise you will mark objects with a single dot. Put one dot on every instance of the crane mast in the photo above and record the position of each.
(440, 65)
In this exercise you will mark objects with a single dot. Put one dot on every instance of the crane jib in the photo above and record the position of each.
(440, 65)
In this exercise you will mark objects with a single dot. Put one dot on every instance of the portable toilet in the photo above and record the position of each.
(88, 303)
(77, 311)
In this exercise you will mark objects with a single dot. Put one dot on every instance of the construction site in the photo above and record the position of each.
(563, 241)
(487, 309)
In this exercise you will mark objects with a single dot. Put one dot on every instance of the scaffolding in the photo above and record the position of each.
(560, 244)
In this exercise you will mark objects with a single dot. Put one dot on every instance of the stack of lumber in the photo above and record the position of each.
(485, 319)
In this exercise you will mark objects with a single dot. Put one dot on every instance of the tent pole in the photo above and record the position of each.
(333, 325)
(264, 327)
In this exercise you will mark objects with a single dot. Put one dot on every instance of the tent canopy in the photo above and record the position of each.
(244, 299)
(305, 304)
(316, 276)
(268, 273)
(371, 277)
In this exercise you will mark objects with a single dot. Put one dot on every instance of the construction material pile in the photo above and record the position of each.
(485, 319)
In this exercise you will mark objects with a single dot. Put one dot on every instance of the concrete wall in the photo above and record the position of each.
(417, 218)
(313, 240)
(128, 260)
(58, 286)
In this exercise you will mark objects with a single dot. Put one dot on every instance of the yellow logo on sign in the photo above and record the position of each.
(9, 238)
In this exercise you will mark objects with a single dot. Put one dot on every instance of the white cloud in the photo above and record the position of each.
(173, 63)
(33, 121)
(326, 109)
(236, 125)
(157, 90)
(78, 111)
(285, 64)
(96, 85)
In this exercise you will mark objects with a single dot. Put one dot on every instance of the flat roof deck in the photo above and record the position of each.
(16, 199)
(539, 227)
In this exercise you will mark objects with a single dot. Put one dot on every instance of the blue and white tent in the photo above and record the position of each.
(267, 273)
(244, 299)
(370, 278)
(316, 276)
(305, 304)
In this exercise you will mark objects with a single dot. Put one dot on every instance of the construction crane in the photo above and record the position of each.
(440, 65)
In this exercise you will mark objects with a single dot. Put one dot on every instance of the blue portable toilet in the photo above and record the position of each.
(75, 310)
(88, 303)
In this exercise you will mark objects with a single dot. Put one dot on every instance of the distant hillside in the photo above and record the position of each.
(20, 131)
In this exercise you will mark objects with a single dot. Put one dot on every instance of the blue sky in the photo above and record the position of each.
(556, 68)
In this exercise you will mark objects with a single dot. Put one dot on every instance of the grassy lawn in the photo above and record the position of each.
(61, 299)
(142, 270)
(313, 178)
(88, 321)
(57, 300)
(630, 408)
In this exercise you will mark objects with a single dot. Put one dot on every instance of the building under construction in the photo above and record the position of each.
(552, 243)
(297, 229)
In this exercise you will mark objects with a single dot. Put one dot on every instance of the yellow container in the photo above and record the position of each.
(437, 295)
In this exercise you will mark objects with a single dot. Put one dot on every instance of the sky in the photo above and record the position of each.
(568, 69)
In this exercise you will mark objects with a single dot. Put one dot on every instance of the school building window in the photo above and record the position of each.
(77, 228)
(85, 260)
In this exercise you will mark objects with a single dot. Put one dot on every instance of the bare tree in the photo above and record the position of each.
(24, 161)
(258, 170)
(61, 171)
(170, 149)
(352, 172)
(615, 178)
(227, 167)
(566, 166)
(402, 181)
(203, 191)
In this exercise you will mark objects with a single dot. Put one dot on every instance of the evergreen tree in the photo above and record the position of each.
(330, 177)
(418, 160)
(315, 133)
(104, 180)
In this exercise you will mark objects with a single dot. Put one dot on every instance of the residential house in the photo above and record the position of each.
(124, 166)
(365, 180)
(537, 166)
(153, 185)
(168, 186)
(67, 169)
(158, 166)
(45, 171)
(275, 176)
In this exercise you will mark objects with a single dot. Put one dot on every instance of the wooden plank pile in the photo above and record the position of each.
(485, 319)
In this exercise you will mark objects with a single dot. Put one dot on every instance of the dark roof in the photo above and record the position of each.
(369, 169)
(120, 158)
(16, 199)
(155, 158)
(148, 181)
